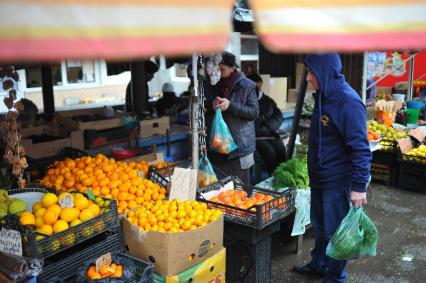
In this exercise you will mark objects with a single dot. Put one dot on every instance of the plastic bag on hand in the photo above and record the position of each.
(206, 174)
(302, 204)
(355, 237)
(220, 137)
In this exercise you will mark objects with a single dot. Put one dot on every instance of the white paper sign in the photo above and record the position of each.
(10, 242)
(66, 201)
(184, 184)
(104, 259)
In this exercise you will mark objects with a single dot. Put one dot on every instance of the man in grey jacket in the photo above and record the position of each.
(235, 96)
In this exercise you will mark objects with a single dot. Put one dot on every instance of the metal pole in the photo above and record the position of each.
(297, 114)
(364, 78)
(47, 89)
(410, 79)
(194, 118)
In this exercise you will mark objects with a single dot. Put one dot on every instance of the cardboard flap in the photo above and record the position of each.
(418, 133)
(405, 145)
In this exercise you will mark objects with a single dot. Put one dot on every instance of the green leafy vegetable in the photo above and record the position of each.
(292, 173)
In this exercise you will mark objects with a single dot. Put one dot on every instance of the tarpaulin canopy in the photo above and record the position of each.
(58, 29)
(343, 25)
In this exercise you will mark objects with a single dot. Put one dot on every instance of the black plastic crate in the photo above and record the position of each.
(249, 263)
(258, 216)
(413, 164)
(38, 167)
(161, 176)
(94, 138)
(388, 146)
(384, 157)
(144, 269)
(64, 265)
(412, 182)
(385, 173)
(58, 242)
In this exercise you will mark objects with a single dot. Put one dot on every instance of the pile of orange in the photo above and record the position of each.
(173, 216)
(107, 178)
(239, 199)
(113, 270)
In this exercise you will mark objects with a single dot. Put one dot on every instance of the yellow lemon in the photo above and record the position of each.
(68, 214)
(86, 214)
(76, 212)
(48, 199)
(27, 218)
(94, 208)
(81, 203)
(60, 226)
(37, 206)
(45, 229)
(75, 222)
(39, 212)
(39, 221)
(56, 208)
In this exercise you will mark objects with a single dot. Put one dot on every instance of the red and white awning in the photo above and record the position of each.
(113, 29)
(343, 25)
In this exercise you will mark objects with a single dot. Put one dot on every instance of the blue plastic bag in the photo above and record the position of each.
(220, 137)
(356, 236)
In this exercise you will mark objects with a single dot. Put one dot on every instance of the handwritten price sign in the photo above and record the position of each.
(10, 242)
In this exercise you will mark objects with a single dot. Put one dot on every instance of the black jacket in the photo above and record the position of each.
(240, 116)
(270, 118)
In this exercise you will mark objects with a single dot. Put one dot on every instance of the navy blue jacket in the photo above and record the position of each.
(240, 116)
(339, 154)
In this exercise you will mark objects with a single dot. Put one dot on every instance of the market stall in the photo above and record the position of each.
(72, 226)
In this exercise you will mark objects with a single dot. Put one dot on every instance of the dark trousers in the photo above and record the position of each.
(272, 152)
(328, 208)
(230, 167)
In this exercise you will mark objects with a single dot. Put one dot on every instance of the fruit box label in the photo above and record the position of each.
(10, 242)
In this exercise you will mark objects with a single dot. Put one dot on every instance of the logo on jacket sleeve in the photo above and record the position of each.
(325, 120)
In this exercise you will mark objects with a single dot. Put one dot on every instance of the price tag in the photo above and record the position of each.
(141, 174)
(10, 242)
(66, 201)
(104, 259)
(405, 145)
(418, 133)
(184, 184)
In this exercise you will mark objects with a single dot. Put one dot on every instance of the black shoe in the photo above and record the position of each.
(307, 270)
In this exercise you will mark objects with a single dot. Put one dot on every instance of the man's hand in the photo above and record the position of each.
(358, 199)
(223, 103)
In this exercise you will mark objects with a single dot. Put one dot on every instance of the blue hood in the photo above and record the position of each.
(327, 68)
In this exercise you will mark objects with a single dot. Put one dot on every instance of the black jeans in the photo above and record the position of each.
(272, 152)
(230, 167)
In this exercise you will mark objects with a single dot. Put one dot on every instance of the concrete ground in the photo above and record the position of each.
(400, 217)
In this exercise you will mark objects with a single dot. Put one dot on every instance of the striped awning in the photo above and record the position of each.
(343, 25)
(114, 29)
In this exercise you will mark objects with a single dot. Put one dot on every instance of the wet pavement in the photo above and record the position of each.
(400, 217)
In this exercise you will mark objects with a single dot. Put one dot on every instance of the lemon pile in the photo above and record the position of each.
(173, 216)
(49, 217)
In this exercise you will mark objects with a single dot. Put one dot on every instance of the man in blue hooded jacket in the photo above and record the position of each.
(338, 159)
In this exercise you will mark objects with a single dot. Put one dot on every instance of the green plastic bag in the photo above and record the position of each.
(355, 237)
(220, 137)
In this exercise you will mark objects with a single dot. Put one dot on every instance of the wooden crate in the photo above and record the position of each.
(65, 119)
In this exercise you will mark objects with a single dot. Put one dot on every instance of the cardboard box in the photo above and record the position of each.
(173, 253)
(212, 270)
(292, 94)
(153, 127)
(46, 149)
(64, 118)
(278, 91)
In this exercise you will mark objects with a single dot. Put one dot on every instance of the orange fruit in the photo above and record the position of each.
(27, 218)
(94, 208)
(45, 229)
(60, 226)
(86, 214)
(56, 208)
(90, 271)
(50, 217)
(122, 196)
(81, 203)
(68, 214)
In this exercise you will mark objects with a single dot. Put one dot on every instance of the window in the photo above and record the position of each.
(249, 45)
(180, 70)
(80, 71)
(33, 76)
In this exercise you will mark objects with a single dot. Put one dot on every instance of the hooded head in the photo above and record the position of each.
(327, 69)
